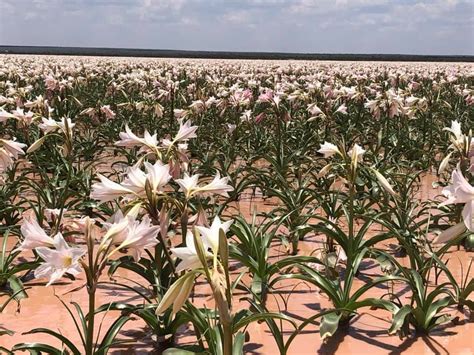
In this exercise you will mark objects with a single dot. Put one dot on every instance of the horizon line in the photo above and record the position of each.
(221, 54)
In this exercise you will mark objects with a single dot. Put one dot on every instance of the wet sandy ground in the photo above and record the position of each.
(367, 332)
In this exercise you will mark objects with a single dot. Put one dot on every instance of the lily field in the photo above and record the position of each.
(179, 206)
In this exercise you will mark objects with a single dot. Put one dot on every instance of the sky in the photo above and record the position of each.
(306, 26)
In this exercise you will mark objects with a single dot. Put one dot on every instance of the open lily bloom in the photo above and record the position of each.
(132, 235)
(185, 132)
(4, 115)
(34, 236)
(49, 125)
(188, 184)
(107, 111)
(357, 151)
(315, 111)
(218, 186)
(13, 147)
(59, 261)
(9, 150)
(329, 149)
(455, 130)
(188, 254)
(107, 190)
(342, 109)
(211, 235)
(26, 118)
(129, 139)
(460, 191)
(157, 175)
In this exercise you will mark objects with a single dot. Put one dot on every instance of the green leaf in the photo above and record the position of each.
(17, 286)
(260, 316)
(35, 348)
(399, 319)
(434, 308)
(329, 324)
(238, 347)
(256, 285)
(111, 334)
(439, 320)
(4, 331)
(61, 337)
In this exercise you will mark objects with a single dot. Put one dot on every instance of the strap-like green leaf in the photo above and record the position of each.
(238, 346)
(399, 319)
(57, 335)
(329, 324)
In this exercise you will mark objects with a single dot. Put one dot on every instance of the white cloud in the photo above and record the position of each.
(402, 26)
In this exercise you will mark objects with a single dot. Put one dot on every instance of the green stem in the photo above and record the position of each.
(155, 220)
(351, 217)
(64, 197)
(225, 319)
(90, 322)
(92, 275)
(227, 338)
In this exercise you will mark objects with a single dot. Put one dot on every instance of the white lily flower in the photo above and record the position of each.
(217, 186)
(107, 111)
(188, 254)
(342, 109)
(231, 128)
(107, 190)
(188, 184)
(50, 125)
(329, 149)
(9, 150)
(357, 151)
(455, 129)
(133, 235)
(211, 235)
(460, 191)
(129, 140)
(157, 175)
(13, 147)
(246, 116)
(24, 117)
(34, 236)
(186, 131)
(314, 110)
(63, 259)
(5, 160)
(4, 115)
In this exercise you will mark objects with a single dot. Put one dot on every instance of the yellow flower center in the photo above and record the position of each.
(67, 261)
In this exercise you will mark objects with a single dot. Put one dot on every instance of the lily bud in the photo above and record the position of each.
(224, 248)
(450, 233)
(324, 170)
(177, 294)
(384, 182)
(36, 145)
(200, 249)
(444, 163)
